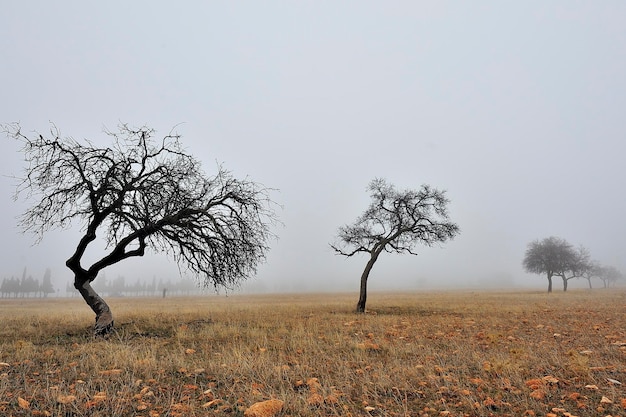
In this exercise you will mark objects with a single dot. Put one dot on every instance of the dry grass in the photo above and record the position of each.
(417, 354)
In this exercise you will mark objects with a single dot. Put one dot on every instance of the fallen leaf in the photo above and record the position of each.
(605, 400)
(538, 394)
(25, 405)
(550, 379)
(574, 396)
(614, 381)
(313, 384)
(267, 408)
(66, 399)
(315, 399)
(100, 396)
(111, 372)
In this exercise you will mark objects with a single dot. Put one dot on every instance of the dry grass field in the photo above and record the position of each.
(412, 354)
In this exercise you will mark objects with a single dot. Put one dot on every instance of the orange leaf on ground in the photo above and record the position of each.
(315, 399)
(100, 396)
(574, 396)
(538, 394)
(110, 372)
(23, 403)
(267, 408)
(534, 383)
(550, 379)
(66, 399)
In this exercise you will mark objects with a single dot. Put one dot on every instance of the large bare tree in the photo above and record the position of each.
(554, 256)
(141, 193)
(395, 221)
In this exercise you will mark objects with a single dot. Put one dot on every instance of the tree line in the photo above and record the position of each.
(27, 286)
(555, 257)
(119, 287)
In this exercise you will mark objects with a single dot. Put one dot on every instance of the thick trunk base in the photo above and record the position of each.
(104, 325)
(104, 317)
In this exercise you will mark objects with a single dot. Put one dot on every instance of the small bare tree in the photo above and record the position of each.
(142, 193)
(396, 221)
(609, 275)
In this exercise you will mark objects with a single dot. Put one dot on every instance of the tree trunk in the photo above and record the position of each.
(590, 287)
(549, 282)
(104, 318)
(360, 306)
(564, 284)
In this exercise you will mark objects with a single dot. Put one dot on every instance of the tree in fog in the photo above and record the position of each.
(592, 272)
(395, 222)
(141, 193)
(46, 285)
(554, 256)
(579, 266)
(609, 275)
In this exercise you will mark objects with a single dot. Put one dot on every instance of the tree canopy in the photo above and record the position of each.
(395, 222)
(143, 193)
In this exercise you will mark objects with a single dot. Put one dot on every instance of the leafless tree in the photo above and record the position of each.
(143, 193)
(396, 221)
(594, 270)
(554, 256)
(609, 275)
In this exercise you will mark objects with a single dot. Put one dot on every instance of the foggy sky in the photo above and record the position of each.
(515, 108)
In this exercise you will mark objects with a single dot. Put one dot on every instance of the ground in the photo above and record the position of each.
(411, 354)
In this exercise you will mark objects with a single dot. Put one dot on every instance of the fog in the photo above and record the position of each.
(515, 108)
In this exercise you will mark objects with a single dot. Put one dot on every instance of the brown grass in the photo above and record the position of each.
(416, 354)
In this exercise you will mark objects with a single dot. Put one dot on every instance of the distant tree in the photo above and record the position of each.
(29, 286)
(579, 266)
(143, 193)
(396, 221)
(4, 287)
(46, 285)
(609, 275)
(554, 256)
(594, 270)
(14, 286)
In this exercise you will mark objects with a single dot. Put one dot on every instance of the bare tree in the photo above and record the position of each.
(580, 264)
(142, 193)
(395, 221)
(609, 275)
(594, 270)
(554, 256)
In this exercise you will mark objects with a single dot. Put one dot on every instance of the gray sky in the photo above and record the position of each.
(515, 108)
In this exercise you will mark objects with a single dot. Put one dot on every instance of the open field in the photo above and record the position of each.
(413, 354)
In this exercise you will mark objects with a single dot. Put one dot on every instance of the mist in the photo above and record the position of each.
(515, 109)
